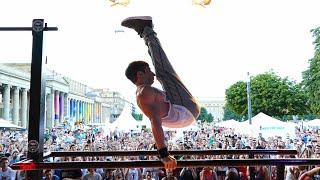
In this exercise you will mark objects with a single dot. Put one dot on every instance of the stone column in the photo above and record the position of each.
(91, 115)
(50, 109)
(81, 110)
(66, 105)
(94, 112)
(77, 109)
(70, 108)
(86, 112)
(100, 113)
(16, 108)
(90, 111)
(73, 108)
(56, 108)
(61, 107)
(24, 108)
(6, 102)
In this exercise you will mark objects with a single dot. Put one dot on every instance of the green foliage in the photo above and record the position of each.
(209, 118)
(269, 94)
(311, 77)
(137, 117)
(204, 116)
(236, 98)
(229, 114)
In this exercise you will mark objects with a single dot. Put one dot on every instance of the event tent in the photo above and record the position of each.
(125, 122)
(267, 126)
(7, 124)
(312, 123)
(262, 119)
(145, 122)
(228, 123)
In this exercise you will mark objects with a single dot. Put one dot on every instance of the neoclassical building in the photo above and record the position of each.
(214, 105)
(66, 99)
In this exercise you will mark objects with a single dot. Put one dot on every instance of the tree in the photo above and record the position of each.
(229, 114)
(209, 118)
(137, 117)
(204, 116)
(269, 94)
(311, 77)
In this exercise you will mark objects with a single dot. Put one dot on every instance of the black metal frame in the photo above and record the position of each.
(176, 152)
(280, 163)
(149, 163)
(37, 93)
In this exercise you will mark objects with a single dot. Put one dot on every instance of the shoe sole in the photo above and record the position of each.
(143, 18)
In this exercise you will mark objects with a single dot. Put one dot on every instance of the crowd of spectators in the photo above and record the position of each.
(13, 148)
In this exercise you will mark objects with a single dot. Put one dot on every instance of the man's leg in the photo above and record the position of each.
(175, 90)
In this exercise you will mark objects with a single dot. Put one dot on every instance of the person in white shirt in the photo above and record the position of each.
(6, 173)
(92, 175)
(133, 174)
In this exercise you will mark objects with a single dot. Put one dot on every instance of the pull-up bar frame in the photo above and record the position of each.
(37, 93)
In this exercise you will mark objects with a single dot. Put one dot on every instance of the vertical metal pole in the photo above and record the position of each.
(249, 99)
(252, 174)
(37, 100)
(280, 171)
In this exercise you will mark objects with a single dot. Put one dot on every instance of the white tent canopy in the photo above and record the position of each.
(125, 122)
(179, 131)
(262, 119)
(145, 122)
(228, 123)
(267, 126)
(7, 124)
(313, 123)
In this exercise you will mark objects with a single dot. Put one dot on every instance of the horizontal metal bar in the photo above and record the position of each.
(26, 29)
(180, 152)
(184, 163)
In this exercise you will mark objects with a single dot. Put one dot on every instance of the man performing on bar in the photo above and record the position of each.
(174, 107)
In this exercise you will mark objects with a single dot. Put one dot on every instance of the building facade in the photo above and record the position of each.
(214, 105)
(66, 100)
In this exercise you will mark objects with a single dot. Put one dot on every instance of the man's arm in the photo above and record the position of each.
(182, 171)
(194, 173)
(151, 108)
(309, 174)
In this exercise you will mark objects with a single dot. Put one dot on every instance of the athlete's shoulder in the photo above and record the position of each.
(145, 90)
(146, 94)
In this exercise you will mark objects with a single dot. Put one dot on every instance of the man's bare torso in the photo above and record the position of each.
(153, 96)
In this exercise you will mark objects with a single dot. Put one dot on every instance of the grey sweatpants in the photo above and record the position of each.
(175, 90)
